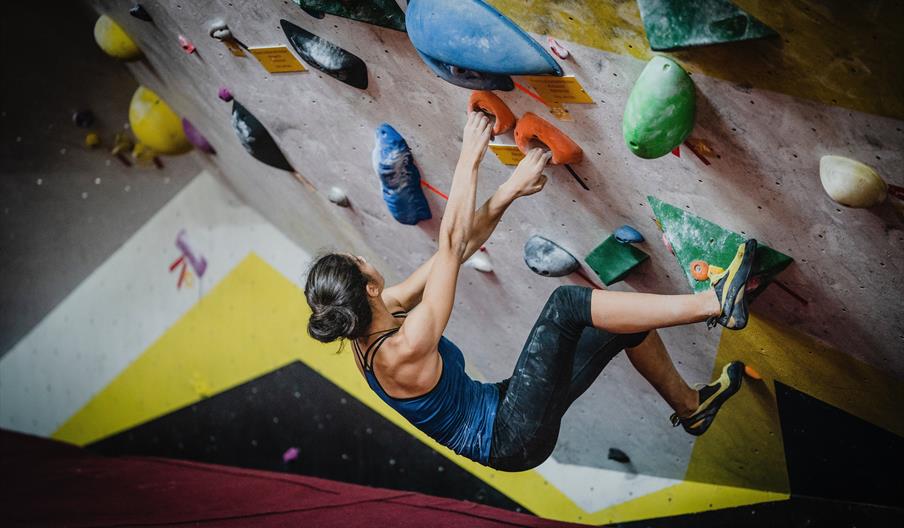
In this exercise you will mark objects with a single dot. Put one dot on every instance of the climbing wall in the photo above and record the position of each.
(766, 111)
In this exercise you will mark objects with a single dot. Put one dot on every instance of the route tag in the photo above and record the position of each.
(559, 89)
(277, 59)
(507, 154)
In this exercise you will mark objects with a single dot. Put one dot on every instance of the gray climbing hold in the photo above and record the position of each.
(618, 455)
(338, 197)
(545, 257)
(628, 235)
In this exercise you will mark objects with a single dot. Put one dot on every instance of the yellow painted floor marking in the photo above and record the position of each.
(839, 55)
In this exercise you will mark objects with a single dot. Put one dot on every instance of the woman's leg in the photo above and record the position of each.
(652, 361)
(628, 312)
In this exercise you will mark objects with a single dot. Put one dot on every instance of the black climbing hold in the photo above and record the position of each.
(326, 56)
(619, 456)
(313, 12)
(138, 11)
(470, 79)
(545, 257)
(83, 118)
(256, 139)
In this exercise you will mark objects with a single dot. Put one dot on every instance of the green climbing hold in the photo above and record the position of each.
(660, 110)
(680, 24)
(612, 260)
(693, 238)
(386, 13)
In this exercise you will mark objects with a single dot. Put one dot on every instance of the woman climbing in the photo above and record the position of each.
(397, 333)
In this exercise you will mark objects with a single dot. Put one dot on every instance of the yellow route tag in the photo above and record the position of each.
(559, 89)
(277, 59)
(560, 112)
(507, 154)
(234, 48)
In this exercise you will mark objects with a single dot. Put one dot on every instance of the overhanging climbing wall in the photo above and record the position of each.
(767, 109)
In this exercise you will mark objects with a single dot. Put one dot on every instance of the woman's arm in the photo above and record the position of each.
(425, 324)
(527, 179)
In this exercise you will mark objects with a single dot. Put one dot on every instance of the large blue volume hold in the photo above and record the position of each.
(474, 36)
(400, 178)
(469, 79)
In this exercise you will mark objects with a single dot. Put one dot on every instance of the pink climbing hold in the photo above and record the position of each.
(186, 44)
(224, 94)
(668, 245)
(290, 455)
(557, 48)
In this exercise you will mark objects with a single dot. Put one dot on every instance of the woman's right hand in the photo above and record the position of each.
(476, 137)
(528, 177)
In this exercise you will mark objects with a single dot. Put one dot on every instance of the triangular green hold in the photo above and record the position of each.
(613, 260)
(674, 24)
(386, 13)
(693, 238)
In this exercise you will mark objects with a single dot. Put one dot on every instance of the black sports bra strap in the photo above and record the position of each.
(371, 351)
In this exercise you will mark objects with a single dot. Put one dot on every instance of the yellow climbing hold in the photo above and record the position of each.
(92, 140)
(155, 124)
(114, 41)
(850, 182)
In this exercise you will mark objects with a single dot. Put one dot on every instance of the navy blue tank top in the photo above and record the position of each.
(458, 412)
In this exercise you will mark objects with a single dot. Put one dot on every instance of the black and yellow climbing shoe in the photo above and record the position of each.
(730, 285)
(712, 397)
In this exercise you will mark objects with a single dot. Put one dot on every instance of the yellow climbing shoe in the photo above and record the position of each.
(712, 396)
(730, 285)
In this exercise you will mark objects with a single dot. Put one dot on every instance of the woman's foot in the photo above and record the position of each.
(711, 398)
(729, 287)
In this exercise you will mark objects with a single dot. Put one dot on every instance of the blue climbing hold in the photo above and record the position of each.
(401, 180)
(628, 235)
(473, 35)
(469, 79)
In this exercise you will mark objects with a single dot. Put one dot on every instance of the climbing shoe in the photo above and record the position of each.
(712, 397)
(730, 285)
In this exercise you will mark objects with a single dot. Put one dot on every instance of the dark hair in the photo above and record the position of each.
(336, 292)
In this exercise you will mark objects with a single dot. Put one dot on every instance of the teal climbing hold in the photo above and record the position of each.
(674, 24)
(472, 35)
(694, 238)
(386, 13)
(613, 260)
(660, 110)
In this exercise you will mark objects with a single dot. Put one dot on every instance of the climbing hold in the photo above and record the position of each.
(83, 118)
(114, 41)
(752, 373)
(290, 455)
(628, 235)
(674, 25)
(326, 56)
(138, 11)
(219, 30)
(694, 238)
(480, 262)
(196, 138)
(619, 456)
(386, 13)
(667, 244)
(660, 110)
(155, 124)
(338, 197)
(92, 140)
(612, 260)
(143, 154)
(545, 257)
(531, 126)
(470, 79)
(186, 44)
(490, 103)
(256, 139)
(474, 36)
(850, 182)
(557, 48)
(224, 94)
(121, 143)
(400, 178)
(699, 270)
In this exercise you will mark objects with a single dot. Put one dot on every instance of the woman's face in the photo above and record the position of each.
(368, 270)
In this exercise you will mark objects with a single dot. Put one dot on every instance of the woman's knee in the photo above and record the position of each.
(569, 302)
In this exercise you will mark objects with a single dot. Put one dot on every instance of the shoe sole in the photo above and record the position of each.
(709, 414)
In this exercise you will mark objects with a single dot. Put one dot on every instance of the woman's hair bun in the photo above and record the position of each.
(329, 323)
(336, 291)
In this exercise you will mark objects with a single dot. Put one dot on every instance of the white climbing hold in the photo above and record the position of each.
(850, 182)
(480, 262)
(338, 197)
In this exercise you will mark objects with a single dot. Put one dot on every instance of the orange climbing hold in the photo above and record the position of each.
(564, 150)
(750, 371)
(699, 270)
(490, 103)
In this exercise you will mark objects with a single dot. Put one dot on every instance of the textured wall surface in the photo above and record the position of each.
(762, 183)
